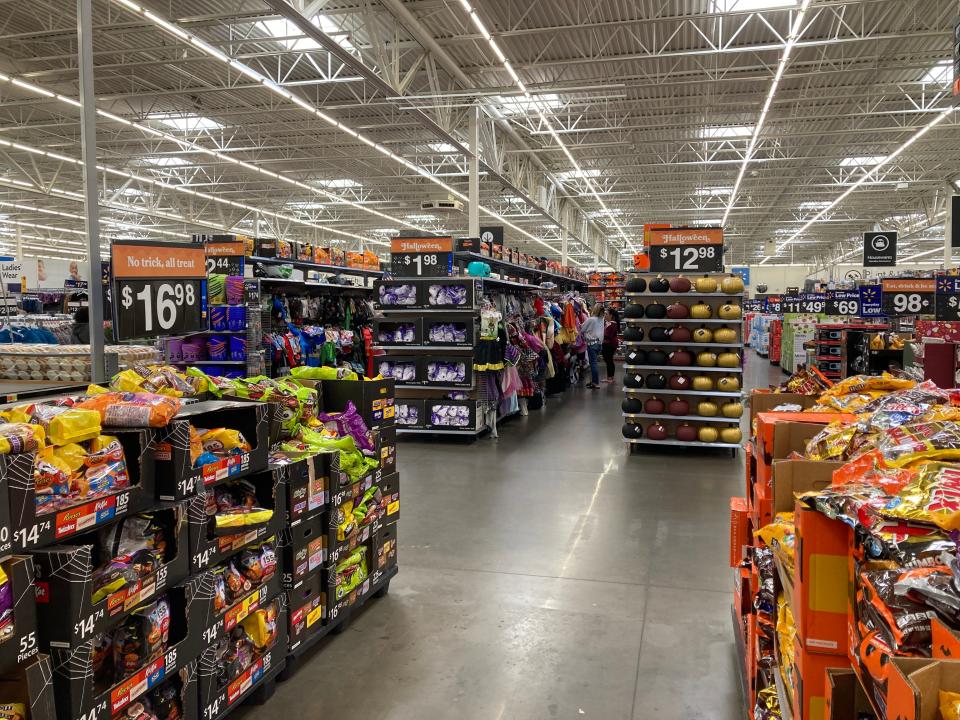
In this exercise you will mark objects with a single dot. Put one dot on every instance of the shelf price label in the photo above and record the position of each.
(158, 289)
(225, 258)
(804, 303)
(687, 250)
(774, 303)
(908, 296)
(948, 298)
(843, 303)
(421, 257)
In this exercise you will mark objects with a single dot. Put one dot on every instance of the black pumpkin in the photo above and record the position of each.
(656, 357)
(659, 334)
(656, 381)
(632, 431)
(635, 357)
(632, 406)
(633, 334)
(656, 311)
(660, 284)
(633, 380)
(636, 284)
(633, 311)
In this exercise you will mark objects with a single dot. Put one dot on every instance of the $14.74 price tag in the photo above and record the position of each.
(686, 249)
(903, 296)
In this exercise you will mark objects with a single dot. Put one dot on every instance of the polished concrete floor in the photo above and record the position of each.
(547, 574)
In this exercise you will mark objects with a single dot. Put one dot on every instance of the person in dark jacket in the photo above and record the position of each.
(81, 327)
(611, 341)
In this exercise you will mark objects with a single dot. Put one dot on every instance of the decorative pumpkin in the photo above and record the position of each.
(707, 408)
(701, 311)
(678, 406)
(632, 431)
(659, 284)
(632, 406)
(681, 358)
(635, 357)
(725, 335)
(659, 334)
(732, 284)
(732, 410)
(633, 334)
(732, 435)
(680, 334)
(633, 380)
(702, 383)
(706, 284)
(728, 383)
(656, 381)
(657, 357)
(707, 434)
(633, 311)
(686, 433)
(657, 431)
(729, 311)
(728, 360)
(702, 335)
(636, 285)
(678, 311)
(654, 406)
(656, 311)
(707, 359)
(679, 381)
(679, 284)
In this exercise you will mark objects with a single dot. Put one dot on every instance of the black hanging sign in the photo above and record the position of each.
(880, 249)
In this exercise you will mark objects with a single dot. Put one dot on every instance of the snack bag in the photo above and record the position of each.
(261, 627)
(949, 705)
(224, 441)
(831, 443)
(141, 638)
(13, 711)
(65, 424)
(6, 605)
(21, 438)
(900, 446)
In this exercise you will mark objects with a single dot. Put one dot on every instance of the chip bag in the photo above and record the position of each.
(949, 705)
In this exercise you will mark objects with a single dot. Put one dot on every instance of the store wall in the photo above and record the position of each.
(778, 279)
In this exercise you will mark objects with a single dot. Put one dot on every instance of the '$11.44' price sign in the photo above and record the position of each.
(686, 249)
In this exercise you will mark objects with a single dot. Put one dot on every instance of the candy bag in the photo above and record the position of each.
(6, 605)
(349, 423)
(21, 438)
(65, 424)
(900, 446)
(13, 711)
(949, 705)
(831, 443)
(224, 440)
(261, 626)
(141, 638)
(133, 409)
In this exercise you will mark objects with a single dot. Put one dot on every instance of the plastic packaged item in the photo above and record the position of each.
(900, 446)
(349, 422)
(351, 571)
(216, 293)
(446, 372)
(135, 547)
(447, 295)
(13, 711)
(217, 347)
(6, 605)
(133, 409)
(141, 638)
(223, 440)
(18, 438)
(949, 703)
(403, 294)
(64, 424)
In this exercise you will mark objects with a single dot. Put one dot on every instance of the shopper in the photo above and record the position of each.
(80, 335)
(611, 340)
(592, 333)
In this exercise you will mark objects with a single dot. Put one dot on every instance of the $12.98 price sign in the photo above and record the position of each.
(907, 296)
(158, 289)
(686, 250)
(421, 257)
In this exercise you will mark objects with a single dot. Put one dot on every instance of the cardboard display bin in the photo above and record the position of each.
(410, 413)
(423, 296)
(434, 330)
(385, 330)
(415, 362)
(433, 371)
(387, 447)
(451, 414)
(307, 484)
(388, 512)
(762, 401)
(23, 642)
(846, 699)
(31, 685)
(176, 476)
(307, 605)
(32, 530)
(372, 398)
(303, 549)
(66, 612)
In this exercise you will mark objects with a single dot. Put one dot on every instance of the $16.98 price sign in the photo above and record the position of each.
(686, 250)
(421, 257)
(158, 289)
(907, 296)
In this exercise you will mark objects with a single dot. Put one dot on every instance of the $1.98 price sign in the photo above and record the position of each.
(907, 296)
(158, 289)
(421, 257)
(687, 250)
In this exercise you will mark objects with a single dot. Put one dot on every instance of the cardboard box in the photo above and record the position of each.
(385, 546)
(945, 641)
(434, 334)
(787, 478)
(177, 478)
(396, 330)
(846, 699)
(374, 399)
(307, 484)
(740, 537)
(914, 685)
(810, 674)
(31, 530)
(387, 448)
(31, 685)
(307, 611)
(66, 613)
(303, 549)
(390, 505)
(339, 603)
(23, 642)
(410, 413)
(821, 581)
(763, 401)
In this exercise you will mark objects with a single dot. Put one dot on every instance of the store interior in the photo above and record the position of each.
(654, 307)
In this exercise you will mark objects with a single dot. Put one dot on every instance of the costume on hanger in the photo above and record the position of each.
(488, 354)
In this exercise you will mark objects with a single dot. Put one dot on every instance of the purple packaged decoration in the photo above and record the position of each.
(238, 348)
(448, 333)
(407, 414)
(399, 371)
(234, 289)
(218, 318)
(236, 318)
(214, 370)
(193, 350)
(398, 295)
(401, 333)
(450, 415)
(349, 423)
(6, 602)
(175, 349)
(446, 372)
(217, 347)
(448, 295)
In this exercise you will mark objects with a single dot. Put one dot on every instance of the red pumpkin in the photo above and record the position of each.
(679, 381)
(678, 406)
(657, 431)
(678, 311)
(654, 406)
(679, 284)
(681, 358)
(680, 334)
(686, 433)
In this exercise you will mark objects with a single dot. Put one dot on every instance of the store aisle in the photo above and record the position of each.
(545, 575)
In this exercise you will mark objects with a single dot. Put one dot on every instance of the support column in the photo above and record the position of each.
(473, 211)
(88, 136)
(19, 236)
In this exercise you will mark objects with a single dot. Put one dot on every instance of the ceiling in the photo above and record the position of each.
(331, 121)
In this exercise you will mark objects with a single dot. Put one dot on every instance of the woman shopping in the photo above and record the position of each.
(592, 333)
(611, 341)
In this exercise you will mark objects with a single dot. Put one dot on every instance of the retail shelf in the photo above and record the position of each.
(317, 266)
(691, 418)
(689, 368)
(215, 332)
(304, 283)
(605, 287)
(691, 344)
(709, 321)
(417, 311)
(740, 643)
(431, 431)
(668, 391)
(680, 443)
(827, 342)
(692, 295)
(434, 387)
(423, 347)
(210, 362)
(515, 269)
(508, 283)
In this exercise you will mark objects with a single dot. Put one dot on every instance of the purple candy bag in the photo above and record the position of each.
(349, 423)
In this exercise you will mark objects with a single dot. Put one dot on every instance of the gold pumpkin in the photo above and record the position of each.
(729, 311)
(728, 383)
(702, 335)
(708, 434)
(725, 335)
(707, 359)
(706, 284)
(706, 408)
(732, 284)
(728, 360)
(700, 311)
(702, 383)
(731, 435)
(732, 410)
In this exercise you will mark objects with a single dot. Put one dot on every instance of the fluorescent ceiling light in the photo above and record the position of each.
(528, 104)
(864, 161)
(134, 192)
(421, 217)
(814, 205)
(442, 147)
(281, 28)
(337, 184)
(713, 191)
(726, 131)
(578, 174)
(385, 231)
(940, 74)
(185, 123)
(744, 5)
(164, 161)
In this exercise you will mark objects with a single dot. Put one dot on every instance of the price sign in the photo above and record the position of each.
(904, 296)
(158, 289)
(421, 257)
(774, 304)
(753, 305)
(843, 303)
(687, 250)
(224, 258)
(871, 301)
(948, 298)
(804, 303)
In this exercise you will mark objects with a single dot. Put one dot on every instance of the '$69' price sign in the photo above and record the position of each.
(150, 308)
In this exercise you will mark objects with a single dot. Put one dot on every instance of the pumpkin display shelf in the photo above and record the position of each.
(683, 364)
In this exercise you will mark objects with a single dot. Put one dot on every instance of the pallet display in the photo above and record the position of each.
(683, 361)
(844, 349)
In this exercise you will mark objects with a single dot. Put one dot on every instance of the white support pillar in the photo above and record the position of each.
(473, 211)
(88, 136)
(19, 245)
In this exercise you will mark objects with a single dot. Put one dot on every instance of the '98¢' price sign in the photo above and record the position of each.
(904, 296)
(687, 250)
